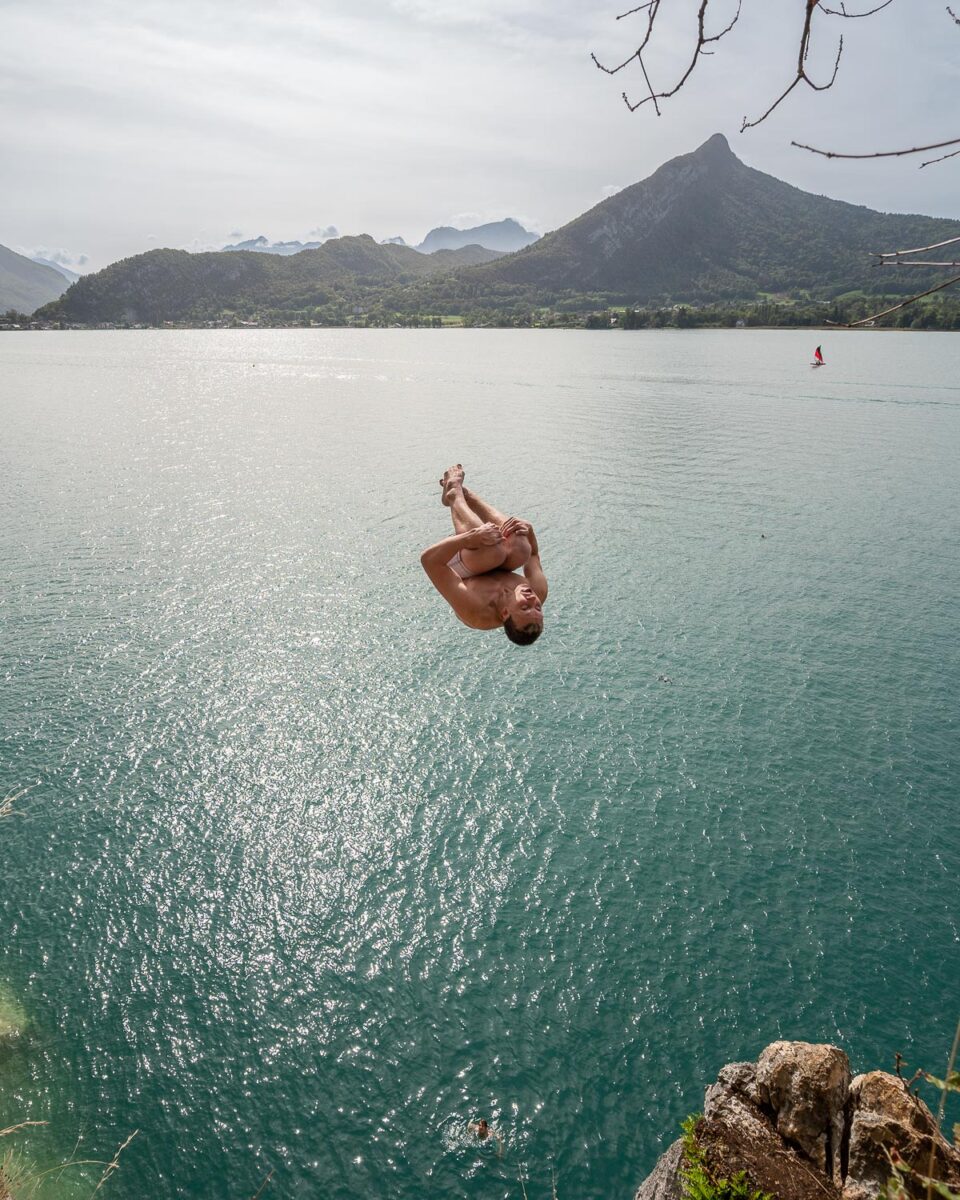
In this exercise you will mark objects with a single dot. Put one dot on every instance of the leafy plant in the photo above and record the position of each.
(699, 1182)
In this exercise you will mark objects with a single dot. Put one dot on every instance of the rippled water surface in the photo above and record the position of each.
(309, 874)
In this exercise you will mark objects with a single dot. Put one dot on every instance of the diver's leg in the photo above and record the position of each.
(486, 558)
(484, 511)
(517, 548)
(464, 518)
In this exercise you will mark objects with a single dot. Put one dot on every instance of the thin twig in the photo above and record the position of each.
(940, 158)
(8, 801)
(259, 1191)
(649, 88)
(639, 8)
(22, 1125)
(842, 11)
(114, 1163)
(76, 1147)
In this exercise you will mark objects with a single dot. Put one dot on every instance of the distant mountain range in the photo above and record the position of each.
(25, 284)
(262, 245)
(503, 236)
(703, 228)
(69, 276)
(506, 236)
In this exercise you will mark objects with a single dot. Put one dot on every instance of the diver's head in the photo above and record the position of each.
(522, 615)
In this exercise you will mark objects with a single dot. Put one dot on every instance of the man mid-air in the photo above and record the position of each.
(475, 570)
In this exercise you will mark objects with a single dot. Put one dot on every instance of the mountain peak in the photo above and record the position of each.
(715, 149)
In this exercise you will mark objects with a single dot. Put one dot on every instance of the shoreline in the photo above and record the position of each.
(248, 328)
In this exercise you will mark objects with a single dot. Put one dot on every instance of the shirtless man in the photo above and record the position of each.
(474, 571)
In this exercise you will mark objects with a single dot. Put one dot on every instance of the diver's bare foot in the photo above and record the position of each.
(451, 483)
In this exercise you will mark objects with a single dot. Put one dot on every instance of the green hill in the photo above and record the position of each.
(24, 284)
(174, 285)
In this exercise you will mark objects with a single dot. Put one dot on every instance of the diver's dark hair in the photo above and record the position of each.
(523, 637)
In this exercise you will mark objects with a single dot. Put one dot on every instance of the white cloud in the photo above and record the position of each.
(57, 254)
(187, 115)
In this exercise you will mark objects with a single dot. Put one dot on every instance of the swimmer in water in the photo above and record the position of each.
(482, 1132)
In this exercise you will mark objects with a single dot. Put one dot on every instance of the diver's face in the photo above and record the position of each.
(525, 609)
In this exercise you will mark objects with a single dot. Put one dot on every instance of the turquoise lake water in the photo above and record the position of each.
(309, 874)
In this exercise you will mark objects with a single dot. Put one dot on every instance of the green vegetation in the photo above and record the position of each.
(939, 312)
(698, 1181)
(20, 1177)
(14, 1021)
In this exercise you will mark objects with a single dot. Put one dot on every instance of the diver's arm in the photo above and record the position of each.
(533, 568)
(440, 553)
(435, 561)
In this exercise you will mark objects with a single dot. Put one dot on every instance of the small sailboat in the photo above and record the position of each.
(817, 359)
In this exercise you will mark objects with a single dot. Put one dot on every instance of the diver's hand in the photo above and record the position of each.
(514, 527)
(486, 535)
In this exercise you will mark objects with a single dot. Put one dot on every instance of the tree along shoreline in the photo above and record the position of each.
(940, 313)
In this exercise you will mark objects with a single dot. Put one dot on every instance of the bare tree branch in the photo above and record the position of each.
(878, 153)
(702, 41)
(653, 6)
(887, 311)
(812, 8)
(917, 249)
(802, 76)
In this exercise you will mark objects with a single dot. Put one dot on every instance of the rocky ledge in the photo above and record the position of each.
(801, 1128)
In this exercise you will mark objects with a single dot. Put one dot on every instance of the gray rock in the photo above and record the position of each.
(806, 1086)
(884, 1114)
(802, 1130)
(663, 1182)
(733, 1100)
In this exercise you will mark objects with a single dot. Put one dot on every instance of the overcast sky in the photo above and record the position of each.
(130, 124)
